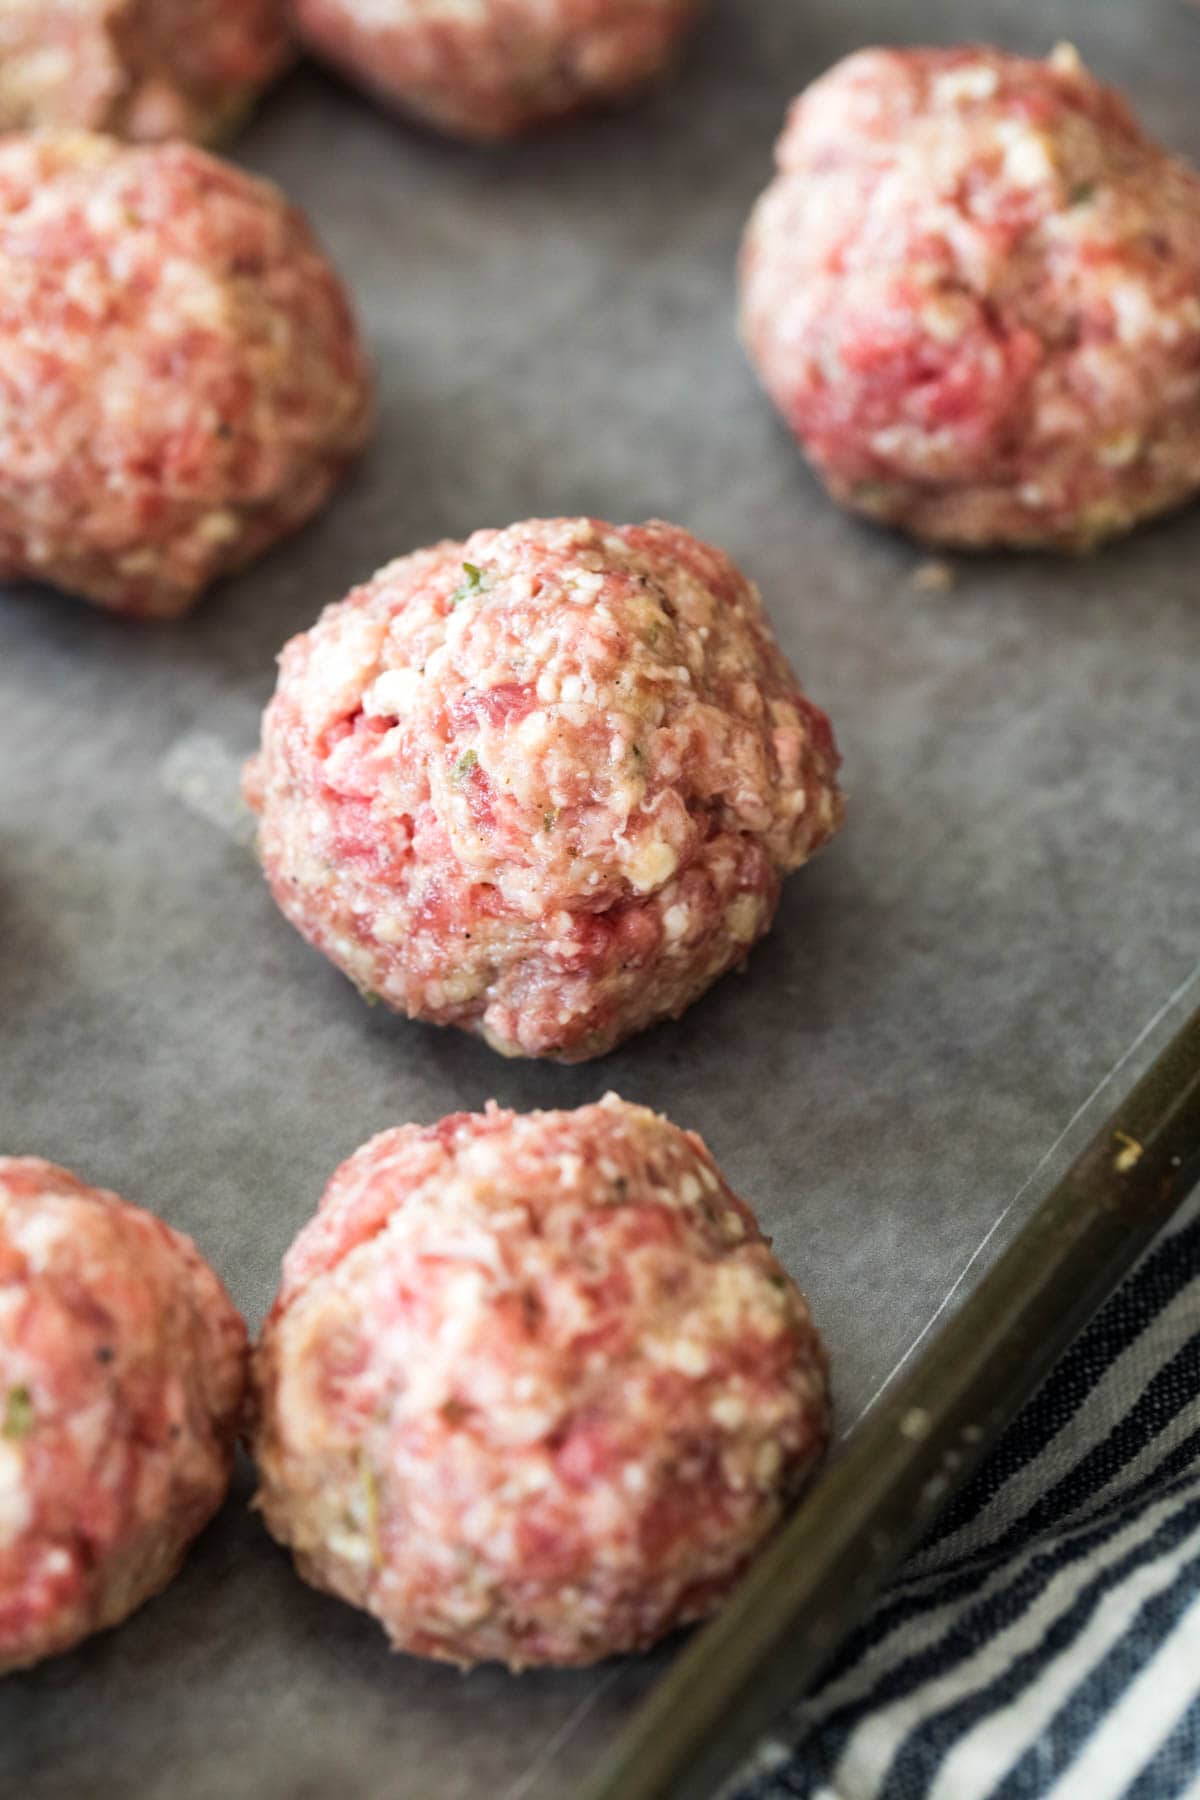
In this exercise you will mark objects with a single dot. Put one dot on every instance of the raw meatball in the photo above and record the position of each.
(543, 784)
(973, 291)
(122, 1370)
(494, 68)
(138, 68)
(534, 1388)
(181, 380)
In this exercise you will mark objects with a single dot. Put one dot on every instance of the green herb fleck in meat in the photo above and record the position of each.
(18, 1413)
(465, 764)
(370, 1494)
(471, 587)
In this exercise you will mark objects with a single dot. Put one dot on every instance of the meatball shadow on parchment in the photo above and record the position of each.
(682, 1066)
(125, 1658)
(1100, 589)
(1113, 580)
(487, 123)
(331, 1684)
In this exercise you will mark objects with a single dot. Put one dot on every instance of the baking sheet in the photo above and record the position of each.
(1012, 907)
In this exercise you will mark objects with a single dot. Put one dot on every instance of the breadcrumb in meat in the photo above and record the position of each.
(534, 1389)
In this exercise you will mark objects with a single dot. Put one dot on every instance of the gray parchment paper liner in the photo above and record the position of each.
(1014, 899)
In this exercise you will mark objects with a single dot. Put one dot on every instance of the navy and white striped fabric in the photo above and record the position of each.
(1045, 1643)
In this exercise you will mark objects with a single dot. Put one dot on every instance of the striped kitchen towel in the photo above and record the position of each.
(1045, 1642)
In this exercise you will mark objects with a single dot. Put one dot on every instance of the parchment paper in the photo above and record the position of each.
(1011, 909)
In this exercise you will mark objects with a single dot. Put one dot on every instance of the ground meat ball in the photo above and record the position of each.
(138, 68)
(122, 1370)
(542, 784)
(181, 381)
(973, 291)
(534, 1388)
(493, 68)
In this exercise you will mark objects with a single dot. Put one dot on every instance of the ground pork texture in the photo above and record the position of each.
(534, 1389)
(543, 784)
(489, 69)
(122, 1373)
(181, 379)
(137, 68)
(973, 292)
